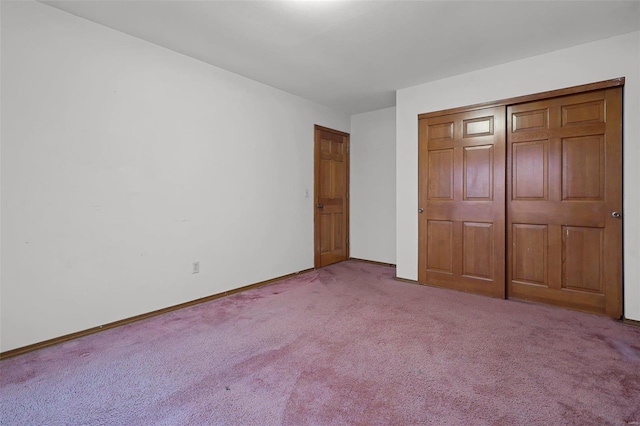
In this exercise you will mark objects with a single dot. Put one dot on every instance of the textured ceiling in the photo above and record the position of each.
(353, 55)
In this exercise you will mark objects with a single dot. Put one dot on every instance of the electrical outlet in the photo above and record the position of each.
(196, 268)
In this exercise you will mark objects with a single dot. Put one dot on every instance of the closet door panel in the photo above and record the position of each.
(564, 175)
(462, 197)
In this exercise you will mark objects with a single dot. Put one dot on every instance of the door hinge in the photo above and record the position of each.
(347, 148)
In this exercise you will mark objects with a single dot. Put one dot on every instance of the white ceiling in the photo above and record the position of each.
(353, 55)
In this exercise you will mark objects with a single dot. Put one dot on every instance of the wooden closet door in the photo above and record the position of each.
(564, 185)
(462, 201)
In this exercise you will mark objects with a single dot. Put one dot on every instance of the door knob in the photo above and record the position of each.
(616, 215)
(320, 205)
(421, 210)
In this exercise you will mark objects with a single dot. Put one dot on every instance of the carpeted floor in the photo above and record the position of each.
(343, 345)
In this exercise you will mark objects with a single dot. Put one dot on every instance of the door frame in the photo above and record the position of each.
(316, 190)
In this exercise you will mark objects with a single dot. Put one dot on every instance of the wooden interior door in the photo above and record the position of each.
(564, 183)
(462, 201)
(331, 196)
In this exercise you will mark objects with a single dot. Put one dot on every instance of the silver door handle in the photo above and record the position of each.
(421, 210)
(616, 215)
(320, 205)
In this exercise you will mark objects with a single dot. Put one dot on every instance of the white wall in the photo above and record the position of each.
(123, 162)
(587, 63)
(373, 186)
(0, 179)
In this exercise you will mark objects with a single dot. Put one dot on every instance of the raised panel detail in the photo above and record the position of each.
(530, 253)
(336, 147)
(325, 146)
(530, 171)
(582, 250)
(337, 231)
(325, 184)
(440, 185)
(325, 229)
(477, 127)
(477, 248)
(530, 120)
(478, 173)
(585, 113)
(339, 189)
(583, 168)
(440, 246)
(440, 131)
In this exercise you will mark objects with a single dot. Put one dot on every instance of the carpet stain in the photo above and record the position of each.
(629, 352)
